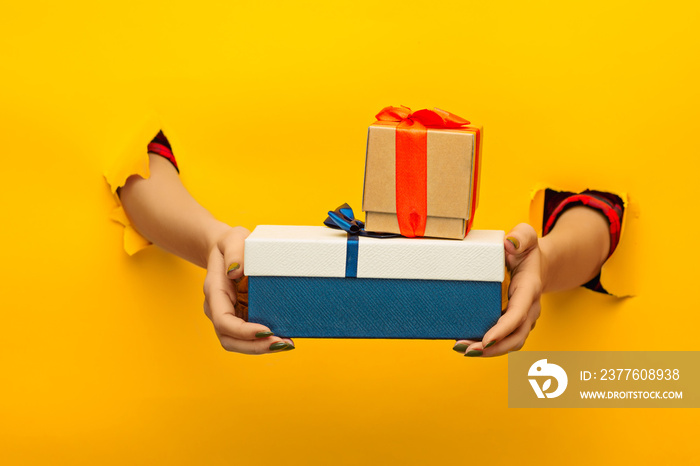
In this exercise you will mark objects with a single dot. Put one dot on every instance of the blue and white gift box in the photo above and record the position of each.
(316, 282)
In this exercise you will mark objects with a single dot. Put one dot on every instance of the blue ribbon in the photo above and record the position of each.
(344, 219)
(353, 250)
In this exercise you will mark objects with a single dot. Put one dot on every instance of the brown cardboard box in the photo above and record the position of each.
(452, 185)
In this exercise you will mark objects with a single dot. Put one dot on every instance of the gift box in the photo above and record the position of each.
(316, 282)
(421, 173)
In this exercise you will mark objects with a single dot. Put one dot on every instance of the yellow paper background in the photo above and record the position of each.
(109, 359)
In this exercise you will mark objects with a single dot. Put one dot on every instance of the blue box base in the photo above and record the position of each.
(310, 307)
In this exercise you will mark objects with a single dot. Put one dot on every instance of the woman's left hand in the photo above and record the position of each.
(524, 260)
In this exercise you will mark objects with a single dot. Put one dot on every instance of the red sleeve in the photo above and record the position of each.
(161, 146)
(610, 205)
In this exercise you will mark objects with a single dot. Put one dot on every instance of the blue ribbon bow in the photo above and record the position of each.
(344, 219)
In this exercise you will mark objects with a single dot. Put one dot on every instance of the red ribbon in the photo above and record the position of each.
(412, 162)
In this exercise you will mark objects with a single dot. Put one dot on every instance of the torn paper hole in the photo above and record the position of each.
(129, 157)
(618, 275)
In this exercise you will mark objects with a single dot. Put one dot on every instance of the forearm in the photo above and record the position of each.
(163, 211)
(575, 250)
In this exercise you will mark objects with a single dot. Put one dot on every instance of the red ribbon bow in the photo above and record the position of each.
(412, 162)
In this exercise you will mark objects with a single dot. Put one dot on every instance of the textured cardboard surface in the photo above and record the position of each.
(310, 251)
(305, 251)
(450, 166)
(368, 308)
(435, 227)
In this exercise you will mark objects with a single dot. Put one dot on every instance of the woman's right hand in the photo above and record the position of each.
(224, 274)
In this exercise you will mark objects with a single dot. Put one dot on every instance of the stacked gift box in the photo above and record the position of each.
(415, 270)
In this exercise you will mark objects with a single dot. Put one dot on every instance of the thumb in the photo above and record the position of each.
(520, 240)
(232, 246)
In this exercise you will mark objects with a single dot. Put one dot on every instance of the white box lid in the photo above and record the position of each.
(317, 251)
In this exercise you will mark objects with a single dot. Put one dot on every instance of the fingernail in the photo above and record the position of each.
(234, 266)
(490, 344)
(263, 334)
(460, 347)
(514, 242)
(281, 346)
(473, 353)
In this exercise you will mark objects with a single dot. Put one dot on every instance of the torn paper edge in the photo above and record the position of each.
(129, 157)
(618, 274)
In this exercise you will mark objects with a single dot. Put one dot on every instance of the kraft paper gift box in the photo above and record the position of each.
(421, 173)
(316, 282)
